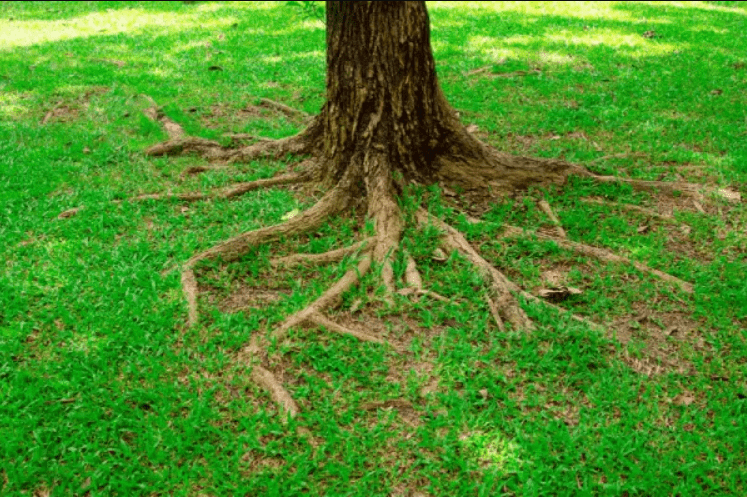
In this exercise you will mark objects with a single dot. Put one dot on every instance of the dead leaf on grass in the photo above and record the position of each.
(643, 229)
(69, 213)
(472, 128)
(671, 330)
(650, 34)
(558, 294)
(684, 399)
(717, 91)
(730, 194)
(438, 255)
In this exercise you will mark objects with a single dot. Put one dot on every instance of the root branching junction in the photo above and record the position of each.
(371, 175)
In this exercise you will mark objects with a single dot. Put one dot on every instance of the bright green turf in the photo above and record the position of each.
(104, 391)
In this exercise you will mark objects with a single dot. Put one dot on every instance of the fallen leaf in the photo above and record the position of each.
(671, 330)
(69, 213)
(558, 294)
(290, 214)
(643, 229)
(650, 34)
(684, 399)
(730, 194)
(717, 91)
(438, 255)
(472, 128)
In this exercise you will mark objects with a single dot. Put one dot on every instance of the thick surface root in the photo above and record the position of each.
(233, 191)
(501, 288)
(332, 203)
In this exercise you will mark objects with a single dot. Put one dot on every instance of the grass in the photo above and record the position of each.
(104, 391)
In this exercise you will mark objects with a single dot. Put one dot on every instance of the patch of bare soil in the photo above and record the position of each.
(66, 111)
(251, 297)
(652, 339)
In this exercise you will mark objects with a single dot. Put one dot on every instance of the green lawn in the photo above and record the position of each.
(105, 391)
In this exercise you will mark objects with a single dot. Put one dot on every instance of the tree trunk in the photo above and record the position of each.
(386, 121)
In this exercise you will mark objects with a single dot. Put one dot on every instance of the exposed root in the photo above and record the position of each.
(245, 136)
(562, 310)
(183, 146)
(500, 286)
(322, 320)
(633, 208)
(412, 275)
(324, 258)
(601, 254)
(214, 151)
(265, 379)
(548, 210)
(154, 113)
(333, 202)
(496, 315)
(328, 300)
(232, 191)
(623, 155)
(670, 188)
(288, 111)
(388, 222)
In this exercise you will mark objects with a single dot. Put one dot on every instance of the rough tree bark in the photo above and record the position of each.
(385, 124)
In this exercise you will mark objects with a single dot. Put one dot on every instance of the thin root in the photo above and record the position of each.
(334, 201)
(633, 208)
(321, 320)
(317, 259)
(265, 379)
(288, 111)
(600, 254)
(328, 300)
(556, 222)
(501, 286)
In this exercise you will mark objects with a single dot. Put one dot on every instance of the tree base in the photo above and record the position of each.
(473, 167)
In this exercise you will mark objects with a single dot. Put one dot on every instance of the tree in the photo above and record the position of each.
(385, 125)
